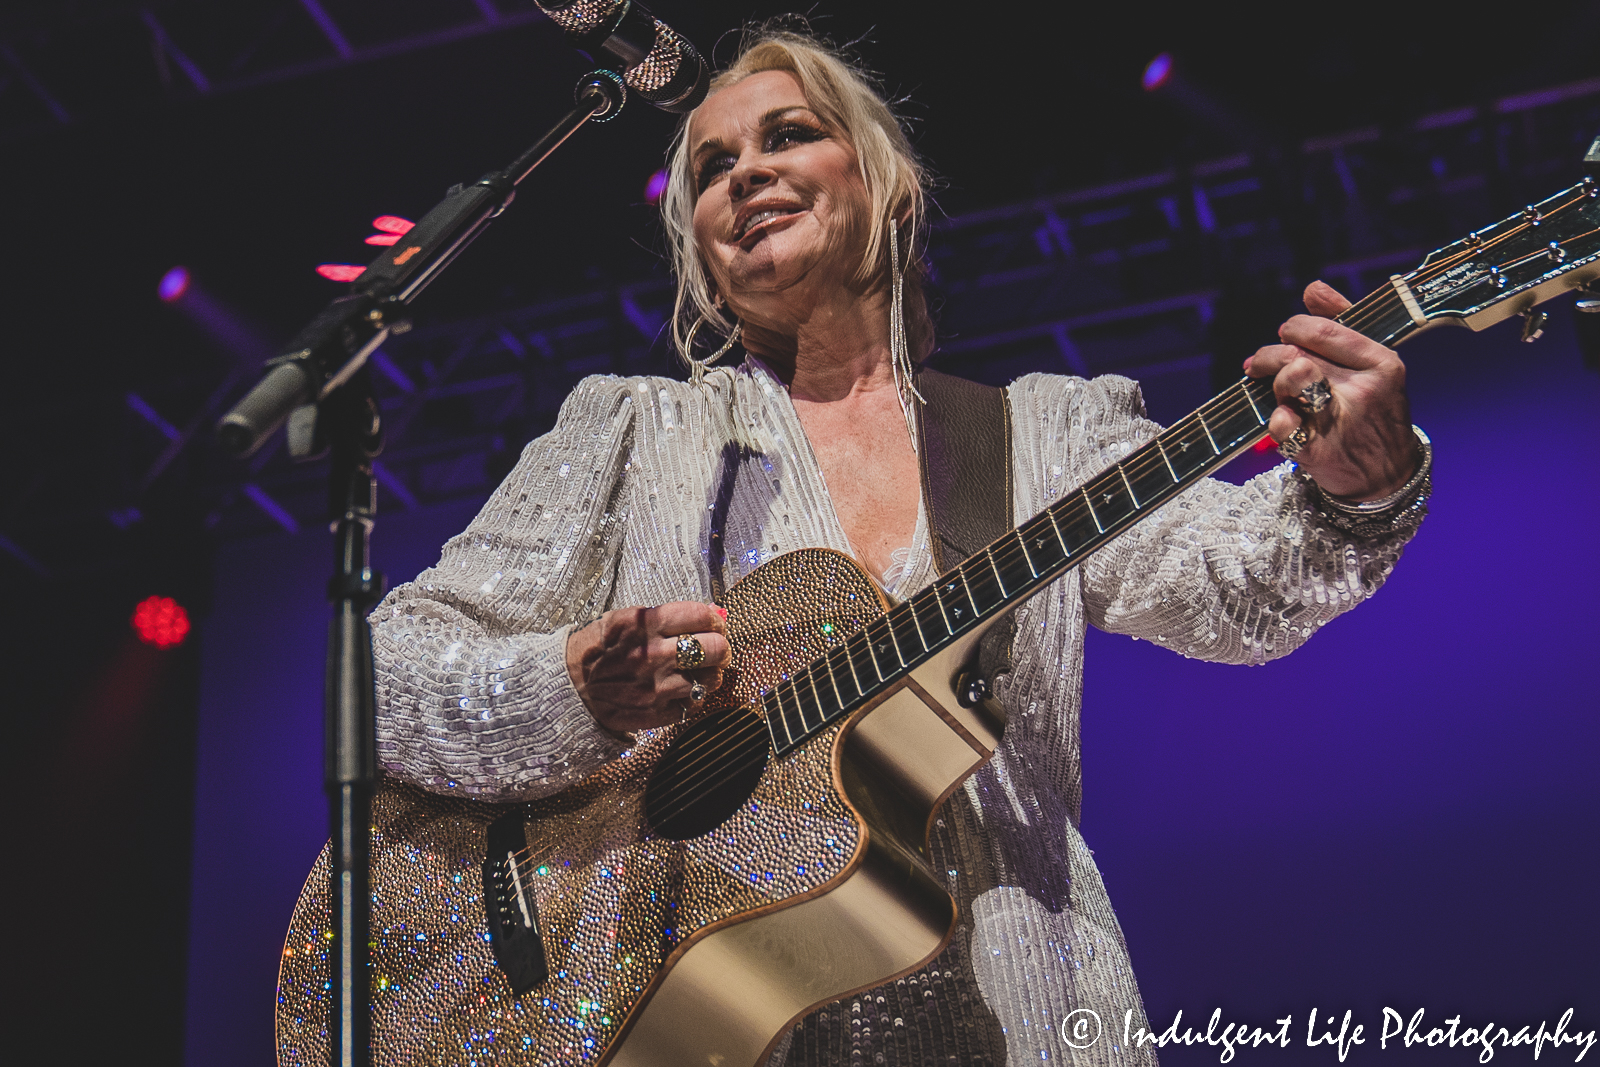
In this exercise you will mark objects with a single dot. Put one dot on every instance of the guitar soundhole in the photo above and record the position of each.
(710, 769)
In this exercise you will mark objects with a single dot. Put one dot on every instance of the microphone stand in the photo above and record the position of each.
(322, 388)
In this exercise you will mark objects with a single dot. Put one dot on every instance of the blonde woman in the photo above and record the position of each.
(550, 630)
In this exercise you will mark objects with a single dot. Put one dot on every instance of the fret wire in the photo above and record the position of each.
(999, 581)
(894, 640)
(1092, 513)
(833, 679)
(1168, 461)
(916, 623)
(1060, 540)
(816, 694)
(961, 569)
(798, 715)
(1247, 395)
(783, 715)
(1027, 556)
(1131, 494)
(867, 632)
(1202, 419)
(943, 613)
(849, 661)
(893, 643)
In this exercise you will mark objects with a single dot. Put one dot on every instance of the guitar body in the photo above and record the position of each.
(692, 898)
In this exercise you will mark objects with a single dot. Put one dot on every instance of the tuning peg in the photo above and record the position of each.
(1533, 324)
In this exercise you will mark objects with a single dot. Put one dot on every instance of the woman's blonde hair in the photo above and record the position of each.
(847, 98)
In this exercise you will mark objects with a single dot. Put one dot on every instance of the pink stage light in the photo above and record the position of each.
(383, 239)
(391, 224)
(161, 621)
(173, 285)
(655, 186)
(340, 272)
(1157, 73)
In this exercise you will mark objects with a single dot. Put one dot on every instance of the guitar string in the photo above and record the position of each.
(1367, 312)
(1430, 271)
(1378, 305)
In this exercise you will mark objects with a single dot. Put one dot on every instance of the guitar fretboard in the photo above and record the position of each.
(1022, 562)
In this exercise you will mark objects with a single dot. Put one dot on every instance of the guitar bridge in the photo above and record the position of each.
(510, 907)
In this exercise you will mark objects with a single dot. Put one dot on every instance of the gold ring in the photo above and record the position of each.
(691, 653)
(1296, 441)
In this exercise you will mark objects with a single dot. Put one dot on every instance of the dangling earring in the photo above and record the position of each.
(697, 367)
(899, 350)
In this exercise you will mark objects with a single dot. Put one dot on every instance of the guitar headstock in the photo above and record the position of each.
(1507, 268)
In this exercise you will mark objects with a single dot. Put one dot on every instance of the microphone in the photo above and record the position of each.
(657, 62)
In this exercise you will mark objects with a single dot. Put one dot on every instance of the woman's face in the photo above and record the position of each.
(782, 208)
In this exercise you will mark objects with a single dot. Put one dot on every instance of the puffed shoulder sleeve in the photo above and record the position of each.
(470, 658)
(1229, 573)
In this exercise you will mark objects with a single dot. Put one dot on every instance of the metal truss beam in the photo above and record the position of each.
(1133, 277)
(201, 41)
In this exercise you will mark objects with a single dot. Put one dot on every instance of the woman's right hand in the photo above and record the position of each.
(625, 663)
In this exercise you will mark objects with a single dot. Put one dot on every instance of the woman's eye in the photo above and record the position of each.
(711, 168)
(791, 134)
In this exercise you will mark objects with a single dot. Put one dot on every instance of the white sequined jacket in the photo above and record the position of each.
(613, 508)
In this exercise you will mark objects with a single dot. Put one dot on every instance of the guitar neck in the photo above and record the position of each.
(996, 579)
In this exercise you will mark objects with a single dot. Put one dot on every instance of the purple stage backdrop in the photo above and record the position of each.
(1404, 814)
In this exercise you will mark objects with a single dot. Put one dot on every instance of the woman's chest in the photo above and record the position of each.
(873, 481)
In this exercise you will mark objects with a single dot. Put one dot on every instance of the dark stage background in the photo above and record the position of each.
(1403, 814)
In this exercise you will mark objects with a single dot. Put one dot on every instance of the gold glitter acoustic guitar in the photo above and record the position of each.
(689, 901)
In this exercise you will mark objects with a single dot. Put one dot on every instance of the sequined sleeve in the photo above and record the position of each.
(472, 685)
(1229, 573)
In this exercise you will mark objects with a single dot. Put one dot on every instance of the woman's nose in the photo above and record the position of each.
(749, 174)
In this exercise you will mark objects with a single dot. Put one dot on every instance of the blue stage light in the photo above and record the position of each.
(173, 285)
(1157, 73)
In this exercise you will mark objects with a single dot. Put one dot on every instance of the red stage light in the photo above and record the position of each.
(391, 224)
(340, 272)
(383, 239)
(1265, 443)
(161, 621)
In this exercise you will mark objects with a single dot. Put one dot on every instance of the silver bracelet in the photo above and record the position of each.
(1405, 506)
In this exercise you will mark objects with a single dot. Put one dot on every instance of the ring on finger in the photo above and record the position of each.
(1315, 396)
(1296, 441)
(691, 653)
(697, 693)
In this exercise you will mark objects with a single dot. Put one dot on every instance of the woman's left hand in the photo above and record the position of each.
(1361, 446)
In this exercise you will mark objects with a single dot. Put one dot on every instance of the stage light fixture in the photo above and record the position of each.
(1157, 72)
(340, 272)
(161, 621)
(655, 186)
(173, 285)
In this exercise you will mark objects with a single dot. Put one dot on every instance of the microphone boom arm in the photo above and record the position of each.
(335, 344)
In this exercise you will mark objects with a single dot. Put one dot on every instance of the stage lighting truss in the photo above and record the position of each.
(1128, 277)
(148, 53)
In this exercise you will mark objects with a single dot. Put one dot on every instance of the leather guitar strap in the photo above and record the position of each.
(965, 431)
